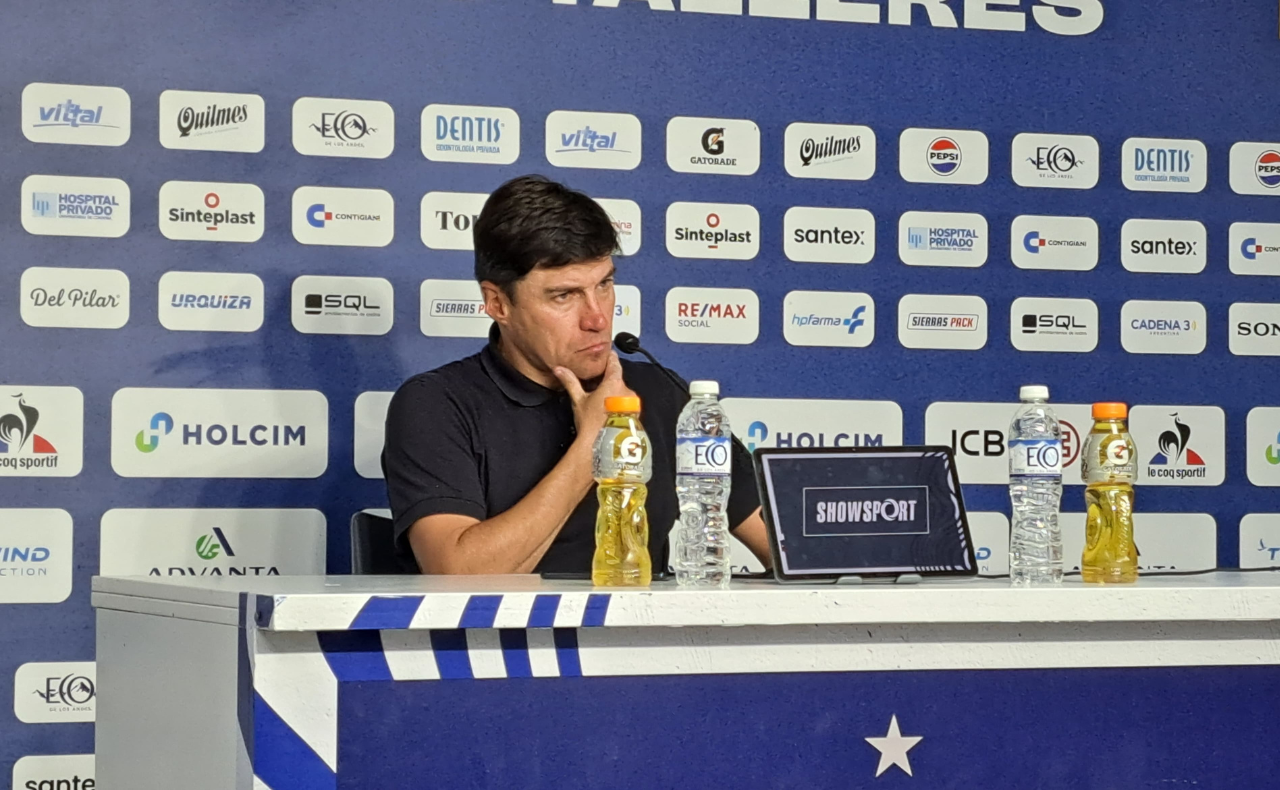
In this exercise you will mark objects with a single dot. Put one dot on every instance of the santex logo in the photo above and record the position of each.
(1255, 248)
(41, 431)
(201, 121)
(343, 217)
(74, 298)
(210, 302)
(1057, 161)
(1164, 246)
(54, 772)
(464, 133)
(1150, 164)
(1254, 329)
(728, 231)
(935, 238)
(452, 308)
(598, 140)
(76, 114)
(344, 127)
(1255, 168)
(943, 156)
(829, 318)
(75, 206)
(1038, 324)
(1056, 243)
(1262, 446)
(724, 146)
(1182, 445)
(55, 692)
(209, 211)
(829, 235)
(446, 219)
(342, 305)
(35, 555)
(834, 151)
(1157, 327)
(786, 422)
(713, 315)
(958, 323)
(625, 216)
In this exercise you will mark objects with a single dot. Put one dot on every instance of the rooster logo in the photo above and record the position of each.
(1173, 446)
(17, 430)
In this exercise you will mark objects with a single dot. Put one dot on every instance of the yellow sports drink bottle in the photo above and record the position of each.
(622, 466)
(1109, 466)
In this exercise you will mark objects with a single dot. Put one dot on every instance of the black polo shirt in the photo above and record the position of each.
(475, 436)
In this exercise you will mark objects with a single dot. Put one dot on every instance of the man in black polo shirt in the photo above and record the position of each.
(488, 459)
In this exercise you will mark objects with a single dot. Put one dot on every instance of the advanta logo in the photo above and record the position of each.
(18, 437)
(209, 546)
(944, 156)
(852, 322)
(758, 434)
(1267, 169)
(317, 216)
(1055, 159)
(70, 114)
(72, 691)
(161, 425)
(210, 217)
(346, 127)
(1176, 451)
(588, 140)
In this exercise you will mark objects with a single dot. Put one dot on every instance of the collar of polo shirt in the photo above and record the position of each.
(514, 384)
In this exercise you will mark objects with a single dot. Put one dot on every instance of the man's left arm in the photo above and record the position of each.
(745, 520)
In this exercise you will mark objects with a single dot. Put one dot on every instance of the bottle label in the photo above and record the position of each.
(1035, 457)
(707, 456)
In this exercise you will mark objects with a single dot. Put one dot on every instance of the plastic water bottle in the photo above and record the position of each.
(703, 464)
(623, 463)
(1035, 489)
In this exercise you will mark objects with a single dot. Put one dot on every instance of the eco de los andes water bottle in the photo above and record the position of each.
(704, 450)
(1035, 491)
(622, 466)
(1109, 467)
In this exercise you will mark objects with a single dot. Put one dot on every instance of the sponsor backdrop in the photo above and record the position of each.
(870, 221)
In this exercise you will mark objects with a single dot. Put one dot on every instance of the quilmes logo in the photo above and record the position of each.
(1055, 161)
(947, 322)
(835, 151)
(1175, 458)
(713, 315)
(75, 114)
(1158, 165)
(828, 318)
(71, 206)
(1060, 243)
(829, 235)
(343, 127)
(727, 146)
(207, 211)
(713, 230)
(1155, 327)
(452, 308)
(934, 238)
(1163, 246)
(782, 422)
(1053, 324)
(461, 133)
(943, 156)
(593, 140)
(199, 121)
(343, 217)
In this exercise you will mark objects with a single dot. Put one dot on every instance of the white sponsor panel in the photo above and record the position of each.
(723, 146)
(625, 216)
(1063, 325)
(342, 305)
(75, 298)
(829, 318)
(36, 562)
(465, 133)
(76, 114)
(843, 152)
(1054, 243)
(1166, 541)
(1254, 248)
(41, 431)
(202, 121)
(1164, 246)
(55, 692)
(597, 140)
(75, 206)
(829, 235)
(219, 433)
(452, 308)
(212, 542)
(1180, 445)
(343, 217)
(713, 315)
(1254, 329)
(370, 432)
(54, 772)
(211, 302)
(1260, 540)
(728, 231)
(938, 238)
(1055, 161)
(1255, 168)
(211, 211)
(626, 309)
(813, 422)
(978, 433)
(344, 127)
(958, 323)
(1152, 164)
(1153, 327)
(446, 218)
(943, 156)
(990, 533)
(1262, 446)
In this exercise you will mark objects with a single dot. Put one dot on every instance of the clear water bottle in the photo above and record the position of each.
(1035, 489)
(703, 464)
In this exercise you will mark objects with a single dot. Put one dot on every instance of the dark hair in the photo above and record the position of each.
(532, 221)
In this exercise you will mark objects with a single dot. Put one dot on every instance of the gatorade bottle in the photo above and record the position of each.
(623, 464)
(1109, 467)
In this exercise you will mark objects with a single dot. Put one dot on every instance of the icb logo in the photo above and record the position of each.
(1268, 169)
(161, 425)
(944, 156)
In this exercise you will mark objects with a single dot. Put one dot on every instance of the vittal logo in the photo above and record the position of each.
(1164, 246)
(726, 146)
(208, 211)
(1255, 248)
(76, 298)
(1183, 445)
(1255, 168)
(446, 219)
(828, 318)
(75, 114)
(783, 422)
(72, 206)
(829, 235)
(35, 555)
(343, 127)
(452, 308)
(713, 230)
(210, 302)
(462, 133)
(1155, 327)
(55, 692)
(1055, 243)
(1053, 324)
(343, 217)
(957, 323)
(198, 121)
(600, 140)
(713, 315)
(342, 305)
(943, 156)
(820, 150)
(1055, 161)
(932, 238)
(1156, 165)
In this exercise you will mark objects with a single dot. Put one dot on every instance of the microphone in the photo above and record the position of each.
(628, 343)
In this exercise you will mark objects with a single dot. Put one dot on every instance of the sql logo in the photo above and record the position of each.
(161, 425)
(944, 156)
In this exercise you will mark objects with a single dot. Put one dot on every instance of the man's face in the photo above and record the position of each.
(560, 317)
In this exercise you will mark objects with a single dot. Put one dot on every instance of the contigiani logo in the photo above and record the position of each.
(1060, 17)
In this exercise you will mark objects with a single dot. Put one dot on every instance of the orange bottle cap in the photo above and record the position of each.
(1110, 411)
(623, 404)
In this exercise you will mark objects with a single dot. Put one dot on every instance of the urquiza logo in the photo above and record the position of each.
(212, 542)
(210, 302)
(785, 422)
(219, 433)
(1055, 243)
(35, 555)
(343, 217)
(729, 231)
(41, 431)
(344, 127)
(1057, 161)
(626, 309)
(1163, 246)
(943, 156)
(74, 206)
(1168, 541)
(625, 216)
(200, 121)
(342, 305)
(829, 318)
(55, 692)
(958, 323)
(75, 298)
(725, 146)
(452, 308)
(977, 433)
(1255, 248)
(829, 235)
(713, 315)
(1255, 168)
(55, 772)
(463, 133)
(370, 432)
(598, 140)
(1255, 329)
(1182, 445)
(1037, 324)
(1262, 446)
(827, 150)
(1150, 164)
(935, 238)
(1260, 540)
(445, 219)
(208, 211)
(1152, 327)
(76, 114)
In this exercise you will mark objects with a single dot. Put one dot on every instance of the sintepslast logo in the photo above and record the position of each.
(786, 422)
(219, 433)
(209, 211)
(1150, 164)
(75, 114)
(829, 318)
(597, 140)
(343, 217)
(829, 235)
(1056, 243)
(713, 315)
(728, 231)
(74, 206)
(464, 133)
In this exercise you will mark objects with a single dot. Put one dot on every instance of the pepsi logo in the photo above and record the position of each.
(1268, 169)
(944, 156)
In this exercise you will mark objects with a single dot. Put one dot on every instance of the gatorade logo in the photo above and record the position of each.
(631, 449)
(1118, 453)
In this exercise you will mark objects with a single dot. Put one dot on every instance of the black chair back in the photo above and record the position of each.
(373, 550)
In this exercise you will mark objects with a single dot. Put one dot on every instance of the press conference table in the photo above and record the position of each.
(515, 682)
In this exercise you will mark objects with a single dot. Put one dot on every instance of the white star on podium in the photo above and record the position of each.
(894, 747)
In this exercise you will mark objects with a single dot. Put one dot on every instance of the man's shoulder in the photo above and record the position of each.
(452, 381)
(650, 383)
